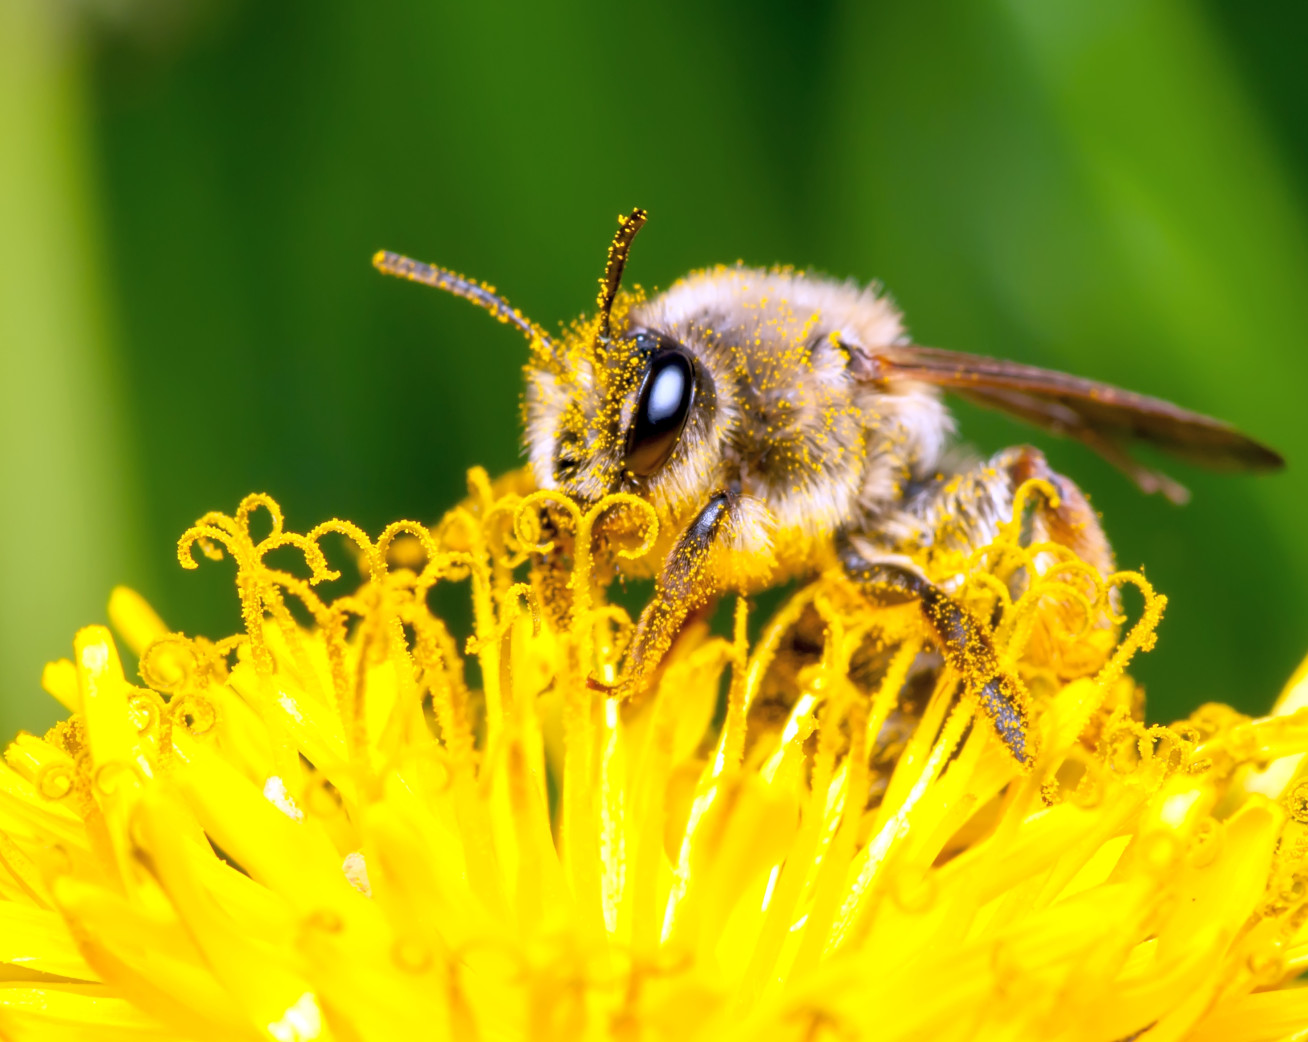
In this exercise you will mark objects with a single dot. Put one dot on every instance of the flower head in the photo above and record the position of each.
(338, 823)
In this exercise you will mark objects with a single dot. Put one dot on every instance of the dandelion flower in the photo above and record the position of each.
(343, 823)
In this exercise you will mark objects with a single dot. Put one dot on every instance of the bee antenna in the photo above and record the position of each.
(479, 293)
(618, 251)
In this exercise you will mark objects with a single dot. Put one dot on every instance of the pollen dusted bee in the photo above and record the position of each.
(779, 422)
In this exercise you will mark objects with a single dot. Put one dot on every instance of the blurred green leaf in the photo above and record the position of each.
(66, 532)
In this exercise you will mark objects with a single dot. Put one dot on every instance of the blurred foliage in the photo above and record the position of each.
(190, 204)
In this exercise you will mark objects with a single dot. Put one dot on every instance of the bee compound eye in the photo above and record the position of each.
(662, 405)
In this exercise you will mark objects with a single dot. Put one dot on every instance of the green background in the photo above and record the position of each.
(190, 194)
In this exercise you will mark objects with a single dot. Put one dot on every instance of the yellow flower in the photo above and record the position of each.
(337, 825)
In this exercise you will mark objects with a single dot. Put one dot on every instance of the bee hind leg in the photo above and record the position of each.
(963, 640)
(1071, 522)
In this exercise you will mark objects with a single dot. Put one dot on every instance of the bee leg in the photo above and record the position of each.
(963, 640)
(1072, 523)
(552, 572)
(682, 587)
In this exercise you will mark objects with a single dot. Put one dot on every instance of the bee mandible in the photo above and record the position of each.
(779, 422)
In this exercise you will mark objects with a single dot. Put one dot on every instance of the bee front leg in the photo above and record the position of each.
(682, 586)
(964, 642)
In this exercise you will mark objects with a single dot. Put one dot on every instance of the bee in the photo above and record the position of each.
(780, 422)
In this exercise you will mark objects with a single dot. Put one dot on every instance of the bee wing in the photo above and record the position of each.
(1101, 416)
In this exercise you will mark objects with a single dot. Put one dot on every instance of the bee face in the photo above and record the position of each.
(640, 413)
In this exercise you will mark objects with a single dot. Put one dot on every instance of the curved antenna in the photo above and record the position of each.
(618, 252)
(478, 292)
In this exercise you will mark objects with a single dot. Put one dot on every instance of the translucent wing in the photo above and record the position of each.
(1105, 418)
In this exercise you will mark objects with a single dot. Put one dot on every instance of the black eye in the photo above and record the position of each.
(662, 406)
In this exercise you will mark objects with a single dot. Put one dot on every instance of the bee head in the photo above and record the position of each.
(611, 405)
(629, 409)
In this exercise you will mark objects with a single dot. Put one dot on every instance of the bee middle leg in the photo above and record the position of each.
(964, 642)
(966, 511)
